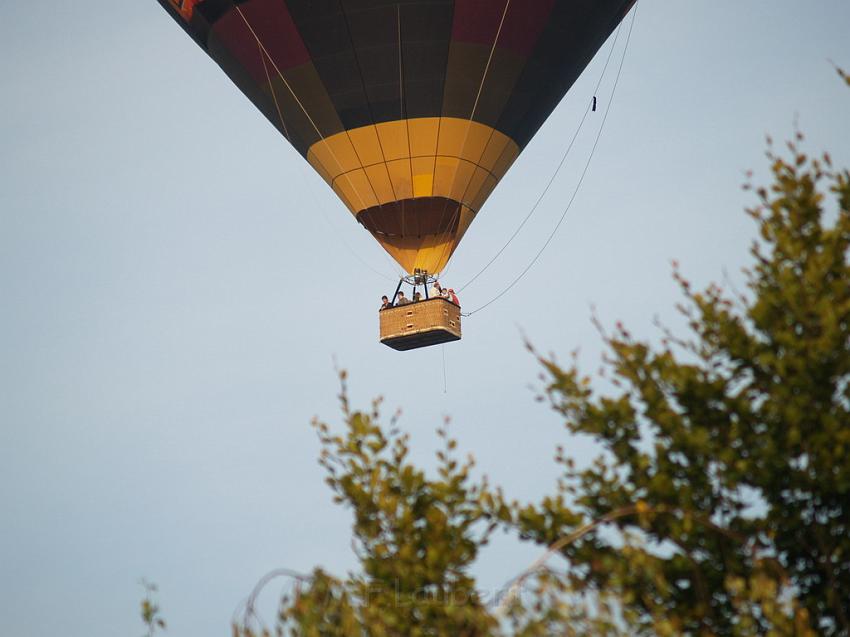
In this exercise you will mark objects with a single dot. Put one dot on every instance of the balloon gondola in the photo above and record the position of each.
(411, 110)
(431, 320)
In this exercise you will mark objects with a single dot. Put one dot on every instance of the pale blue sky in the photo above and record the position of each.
(164, 343)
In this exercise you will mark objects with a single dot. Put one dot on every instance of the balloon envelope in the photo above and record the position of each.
(412, 111)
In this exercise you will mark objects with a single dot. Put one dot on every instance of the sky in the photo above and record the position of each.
(178, 290)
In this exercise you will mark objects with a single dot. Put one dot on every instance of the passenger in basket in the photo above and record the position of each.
(385, 303)
(436, 290)
(402, 299)
(444, 292)
(417, 297)
(453, 297)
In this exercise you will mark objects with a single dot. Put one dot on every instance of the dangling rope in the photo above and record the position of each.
(445, 381)
(578, 185)
(557, 170)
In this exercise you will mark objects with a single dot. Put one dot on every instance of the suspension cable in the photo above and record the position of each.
(578, 185)
(557, 169)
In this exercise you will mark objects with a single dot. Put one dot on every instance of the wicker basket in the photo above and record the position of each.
(421, 324)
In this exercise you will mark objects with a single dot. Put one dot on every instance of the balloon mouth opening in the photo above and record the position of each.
(409, 218)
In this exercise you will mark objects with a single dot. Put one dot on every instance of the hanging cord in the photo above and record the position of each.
(445, 381)
(554, 174)
(578, 185)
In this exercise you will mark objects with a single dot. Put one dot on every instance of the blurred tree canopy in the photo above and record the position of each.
(720, 501)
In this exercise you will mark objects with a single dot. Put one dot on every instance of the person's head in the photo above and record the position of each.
(401, 293)
(451, 291)
(385, 299)
(416, 295)
(437, 285)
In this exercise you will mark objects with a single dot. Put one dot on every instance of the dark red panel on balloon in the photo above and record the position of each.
(477, 22)
(273, 27)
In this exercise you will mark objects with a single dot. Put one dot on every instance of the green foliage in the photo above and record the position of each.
(735, 439)
(415, 537)
(150, 610)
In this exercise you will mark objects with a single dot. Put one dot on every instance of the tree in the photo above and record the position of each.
(720, 503)
(415, 538)
(150, 611)
(736, 439)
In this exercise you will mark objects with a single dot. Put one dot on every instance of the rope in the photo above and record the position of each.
(274, 94)
(578, 185)
(487, 68)
(554, 174)
(445, 382)
(298, 101)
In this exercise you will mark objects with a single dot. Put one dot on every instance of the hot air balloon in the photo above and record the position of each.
(411, 110)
